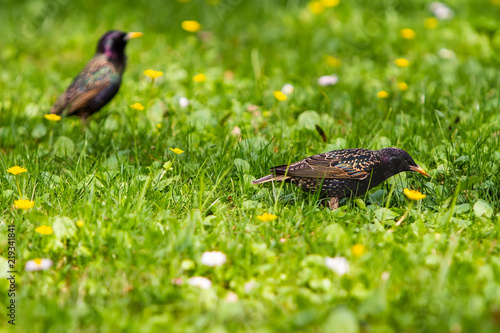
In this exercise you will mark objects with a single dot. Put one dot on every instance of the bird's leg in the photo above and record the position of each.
(334, 203)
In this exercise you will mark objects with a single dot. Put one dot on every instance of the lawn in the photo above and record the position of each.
(130, 218)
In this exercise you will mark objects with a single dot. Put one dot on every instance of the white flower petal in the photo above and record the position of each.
(287, 89)
(446, 54)
(183, 102)
(32, 265)
(214, 258)
(200, 282)
(441, 11)
(340, 265)
(328, 80)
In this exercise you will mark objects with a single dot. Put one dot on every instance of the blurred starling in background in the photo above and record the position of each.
(344, 173)
(100, 80)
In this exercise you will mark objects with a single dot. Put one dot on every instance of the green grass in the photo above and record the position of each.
(437, 272)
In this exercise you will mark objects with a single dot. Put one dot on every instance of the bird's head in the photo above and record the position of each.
(113, 42)
(397, 160)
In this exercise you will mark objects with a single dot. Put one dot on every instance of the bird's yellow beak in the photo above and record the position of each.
(419, 170)
(132, 35)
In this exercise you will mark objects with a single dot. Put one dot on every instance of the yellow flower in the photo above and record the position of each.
(52, 117)
(330, 3)
(191, 26)
(45, 230)
(402, 86)
(137, 106)
(414, 195)
(158, 126)
(177, 150)
(358, 250)
(152, 74)
(15, 170)
(316, 7)
(431, 23)
(267, 217)
(382, 94)
(199, 78)
(279, 96)
(80, 223)
(24, 204)
(332, 61)
(402, 62)
(407, 33)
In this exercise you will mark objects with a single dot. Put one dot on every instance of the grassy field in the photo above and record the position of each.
(131, 218)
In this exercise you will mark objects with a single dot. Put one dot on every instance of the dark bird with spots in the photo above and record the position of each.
(344, 173)
(100, 80)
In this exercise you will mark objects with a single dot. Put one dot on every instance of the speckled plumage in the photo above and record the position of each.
(344, 173)
(99, 81)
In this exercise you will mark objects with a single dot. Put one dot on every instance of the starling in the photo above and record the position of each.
(100, 80)
(344, 173)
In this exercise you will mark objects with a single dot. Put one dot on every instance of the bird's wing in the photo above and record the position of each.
(328, 165)
(93, 79)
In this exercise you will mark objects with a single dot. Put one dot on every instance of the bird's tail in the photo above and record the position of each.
(270, 178)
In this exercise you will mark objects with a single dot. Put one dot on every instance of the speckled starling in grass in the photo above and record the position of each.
(100, 80)
(344, 173)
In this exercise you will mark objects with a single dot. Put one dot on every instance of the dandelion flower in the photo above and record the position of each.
(330, 3)
(38, 264)
(214, 258)
(414, 195)
(52, 117)
(279, 96)
(328, 80)
(402, 62)
(137, 106)
(382, 94)
(358, 250)
(177, 150)
(332, 61)
(158, 126)
(407, 33)
(267, 217)
(80, 223)
(431, 23)
(16, 170)
(288, 89)
(199, 78)
(183, 102)
(152, 74)
(339, 265)
(24, 204)
(200, 282)
(402, 86)
(191, 26)
(316, 7)
(44, 230)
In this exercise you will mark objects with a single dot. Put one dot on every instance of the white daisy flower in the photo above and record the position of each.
(214, 258)
(200, 282)
(328, 80)
(38, 264)
(446, 54)
(441, 11)
(340, 265)
(231, 297)
(249, 286)
(287, 89)
(183, 102)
